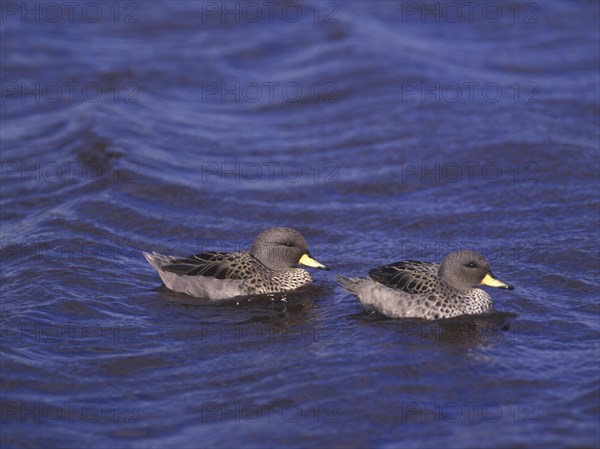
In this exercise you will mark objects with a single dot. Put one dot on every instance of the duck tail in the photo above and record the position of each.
(350, 284)
(155, 259)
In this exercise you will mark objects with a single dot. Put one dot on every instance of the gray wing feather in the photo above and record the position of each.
(409, 276)
(217, 265)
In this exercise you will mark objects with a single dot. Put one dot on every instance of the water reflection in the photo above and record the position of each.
(463, 331)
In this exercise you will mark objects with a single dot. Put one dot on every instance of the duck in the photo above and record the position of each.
(416, 289)
(272, 265)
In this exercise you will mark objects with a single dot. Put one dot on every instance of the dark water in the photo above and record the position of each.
(381, 131)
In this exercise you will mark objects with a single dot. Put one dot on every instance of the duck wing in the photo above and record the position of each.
(217, 265)
(409, 276)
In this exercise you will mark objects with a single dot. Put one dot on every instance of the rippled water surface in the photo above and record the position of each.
(382, 131)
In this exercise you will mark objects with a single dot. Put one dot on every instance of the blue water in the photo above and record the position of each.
(382, 131)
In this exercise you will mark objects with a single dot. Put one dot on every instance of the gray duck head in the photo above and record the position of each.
(464, 270)
(283, 248)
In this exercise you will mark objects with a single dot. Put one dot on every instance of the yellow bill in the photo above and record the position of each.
(310, 262)
(493, 282)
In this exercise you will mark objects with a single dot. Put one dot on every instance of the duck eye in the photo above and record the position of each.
(288, 244)
(471, 265)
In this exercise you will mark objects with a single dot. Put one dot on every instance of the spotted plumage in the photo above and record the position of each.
(270, 266)
(427, 290)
